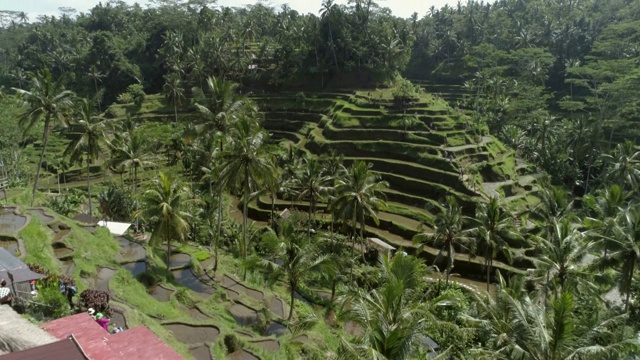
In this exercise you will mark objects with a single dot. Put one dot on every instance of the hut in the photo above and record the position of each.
(18, 275)
(381, 246)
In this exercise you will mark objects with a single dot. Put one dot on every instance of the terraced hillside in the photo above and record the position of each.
(424, 159)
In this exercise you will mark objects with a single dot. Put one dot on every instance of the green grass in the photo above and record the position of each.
(37, 243)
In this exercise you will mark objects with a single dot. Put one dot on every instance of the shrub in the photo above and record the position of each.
(115, 203)
(182, 295)
(232, 343)
(125, 98)
(96, 299)
(405, 91)
(50, 302)
(137, 93)
(66, 204)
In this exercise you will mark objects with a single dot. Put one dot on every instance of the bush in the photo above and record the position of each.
(405, 91)
(49, 303)
(125, 98)
(232, 343)
(96, 299)
(66, 204)
(137, 93)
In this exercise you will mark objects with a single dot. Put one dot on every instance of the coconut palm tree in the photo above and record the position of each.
(46, 101)
(624, 166)
(132, 152)
(294, 256)
(248, 163)
(392, 317)
(447, 234)
(312, 183)
(560, 259)
(173, 91)
(165, 204)
(219, 106)
(494, 229)
(87, 136)
(623, 246)
(359, 194)
(525, 329)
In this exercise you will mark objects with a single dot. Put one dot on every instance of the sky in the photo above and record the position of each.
(403, 8)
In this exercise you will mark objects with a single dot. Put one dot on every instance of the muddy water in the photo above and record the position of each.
(192, 334)
(10, 245)
(131, 251)
(179, 260)
(45, 218)
(136, 268)
(243, 315)
(276, 329)
(160, 293)
(61, 250)
(186, 278)
(201, 352)
(10, 222)
(242, 355)
(268, 345)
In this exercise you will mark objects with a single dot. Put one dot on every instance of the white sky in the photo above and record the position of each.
(403, 8)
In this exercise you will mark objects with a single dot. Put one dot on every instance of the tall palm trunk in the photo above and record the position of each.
(333, 49)
(293, 285)
(311, 213)
(89, 186)
(245, 215)
(175, 108)
(364, 247)
(353, 245)
(273, 208)
(45, 139)
(449, 263)
(219, 235)
(630, 279)
(168, 252)
(488, 263)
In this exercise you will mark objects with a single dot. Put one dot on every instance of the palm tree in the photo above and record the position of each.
(522, 328)
(623, 246)
(327, 12)
(246, 163)
(213, 178)
(296, 257)
(447, 234)
(624, 166)
(392, 317)
(359, 195)
(174, 91)
(554, 205)
(132, 152)
(561, 257)
(312, 183)
(220, 106)
(96, 76)
(46, 100)
(88, 133)
(165, 204)
(494, 229)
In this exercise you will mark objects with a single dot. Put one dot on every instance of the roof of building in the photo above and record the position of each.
(136, 343)
(85, 218)
(18, 333)
(66, 349)
(14, 270)
(116, 228)
(381, 243)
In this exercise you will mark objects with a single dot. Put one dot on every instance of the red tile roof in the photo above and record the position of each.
(64, 349)
(136, 343)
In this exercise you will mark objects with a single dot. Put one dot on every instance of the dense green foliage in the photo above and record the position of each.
(209, 95)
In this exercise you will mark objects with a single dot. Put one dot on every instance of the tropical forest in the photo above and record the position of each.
(345, 184)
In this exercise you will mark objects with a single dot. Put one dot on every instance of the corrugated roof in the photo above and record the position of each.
(381, 243)
(19, 271)
(65, 349)
(136, 343)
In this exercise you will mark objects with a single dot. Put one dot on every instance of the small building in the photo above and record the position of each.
(67, 349)
(381, 246)
(18, 275)
(115, 228)
(136, 343)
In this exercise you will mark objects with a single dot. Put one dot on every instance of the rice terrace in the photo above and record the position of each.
(190, 180)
